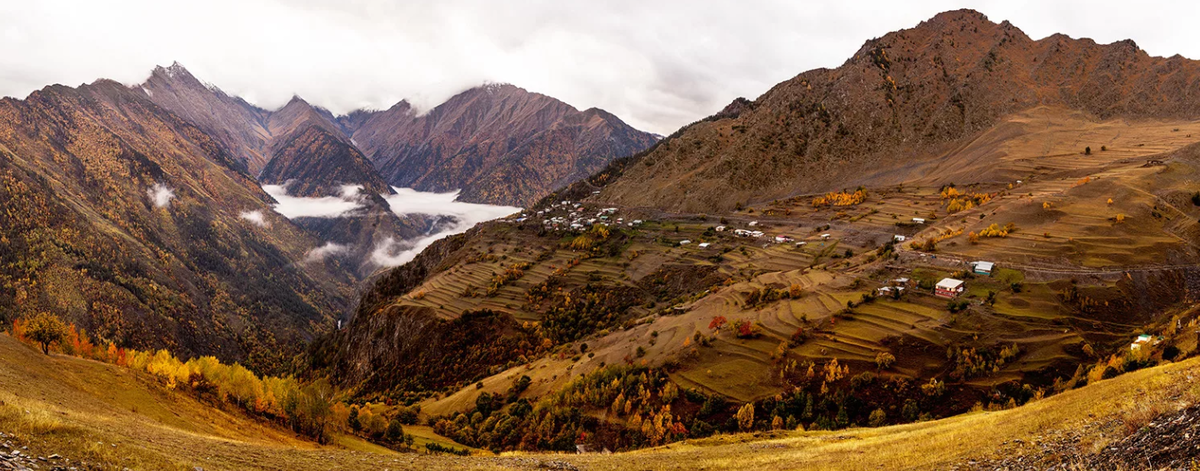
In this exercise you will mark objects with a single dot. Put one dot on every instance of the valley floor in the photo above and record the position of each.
(99, 416)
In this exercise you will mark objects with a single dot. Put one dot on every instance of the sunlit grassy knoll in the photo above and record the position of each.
(113, 418)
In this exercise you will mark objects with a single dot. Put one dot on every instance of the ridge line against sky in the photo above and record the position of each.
(656, 65)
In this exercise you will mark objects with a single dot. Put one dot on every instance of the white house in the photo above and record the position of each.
(685, 242)
(752, 223)
(704, 245)
(781, 239)
(825, 236)
(983, 268)
(918, 220)
(898, 238)
(949, 288)
(1141, 340)
(719, 228)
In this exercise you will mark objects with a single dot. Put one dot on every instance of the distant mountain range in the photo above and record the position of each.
(498, 143)
(137, 211)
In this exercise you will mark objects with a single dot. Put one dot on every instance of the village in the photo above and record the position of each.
(786, 235)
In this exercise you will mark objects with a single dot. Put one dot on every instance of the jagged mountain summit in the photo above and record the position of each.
(498, 143)
(240, 126)
(312, 154)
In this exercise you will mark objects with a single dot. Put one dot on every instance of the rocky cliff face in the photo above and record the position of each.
(410, 349)
(902, 99)
(498, 143)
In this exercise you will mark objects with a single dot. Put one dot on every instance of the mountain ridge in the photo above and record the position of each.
(498, 143)
(902, 99)
(127, 219)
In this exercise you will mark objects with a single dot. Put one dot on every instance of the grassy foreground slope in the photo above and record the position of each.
(111, 418)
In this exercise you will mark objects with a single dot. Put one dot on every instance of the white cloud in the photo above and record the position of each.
(319, 253)
(658, 65)
(257, 217)
(160, 195)
(293, 207)
(390, 252)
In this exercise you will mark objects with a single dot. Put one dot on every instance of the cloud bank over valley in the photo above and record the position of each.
(391, 251)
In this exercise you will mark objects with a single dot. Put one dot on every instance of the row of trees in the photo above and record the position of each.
(840, 198)
(305, 408)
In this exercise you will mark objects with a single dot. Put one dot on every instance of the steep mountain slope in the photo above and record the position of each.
(299, 146)
(131, 221)
(309, 150)
(498, 143)
(238, 125)
(645, 314)
(902, 102)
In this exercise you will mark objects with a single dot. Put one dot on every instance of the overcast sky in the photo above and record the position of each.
(656, 64)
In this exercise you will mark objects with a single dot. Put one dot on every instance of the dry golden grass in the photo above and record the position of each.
(114, 419)
(1135, 397)
(50, 411)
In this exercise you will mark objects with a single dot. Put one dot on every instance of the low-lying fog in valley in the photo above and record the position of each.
(392, 251)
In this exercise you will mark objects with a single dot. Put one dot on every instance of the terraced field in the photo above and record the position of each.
(1066, 235)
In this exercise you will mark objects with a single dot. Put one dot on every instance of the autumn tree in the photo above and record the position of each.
(45, 329)
(884, 360)
(745, 417)
(352, 420)
(878, 418)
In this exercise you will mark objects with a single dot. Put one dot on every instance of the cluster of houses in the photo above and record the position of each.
(897, 285)
(747, 233)
(574, 216)
(951, 288)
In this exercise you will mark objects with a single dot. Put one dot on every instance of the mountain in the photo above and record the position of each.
(134, 223)
(238, 125)
(776, 265)
(301, 147)
(895, 109)
(309, 150)
(498, 143)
